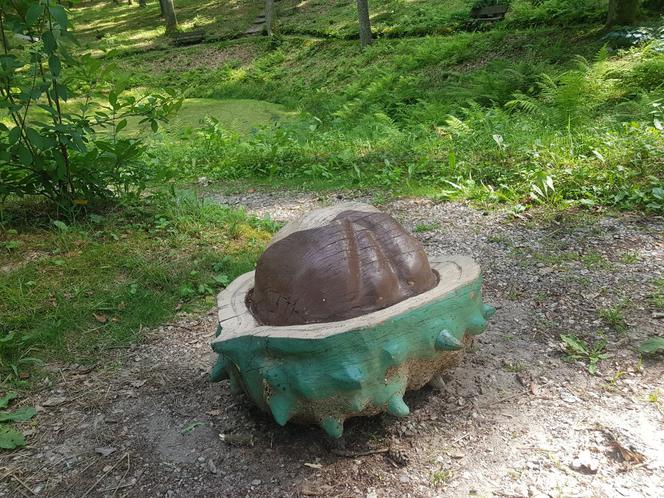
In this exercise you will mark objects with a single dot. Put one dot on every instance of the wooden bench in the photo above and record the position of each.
(188, 38)
(491, 13)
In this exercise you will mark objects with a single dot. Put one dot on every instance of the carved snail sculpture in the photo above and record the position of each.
(343, 314)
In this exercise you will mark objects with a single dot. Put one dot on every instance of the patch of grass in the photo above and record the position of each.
(594, 260)
(514, 367)
(237, 115)
(426, 227)
(71, 291)
(440, 477)
(657, 296)
(614, 318)
(629, 258)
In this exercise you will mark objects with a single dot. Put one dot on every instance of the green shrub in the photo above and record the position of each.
(70, 154)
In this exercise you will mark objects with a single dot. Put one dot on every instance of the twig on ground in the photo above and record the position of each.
(354, 454)
(123, 475)
(22, 483)
(103, 476)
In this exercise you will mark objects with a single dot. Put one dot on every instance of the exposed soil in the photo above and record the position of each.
(514, 419)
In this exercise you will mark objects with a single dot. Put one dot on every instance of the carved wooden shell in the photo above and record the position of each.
(339, 265)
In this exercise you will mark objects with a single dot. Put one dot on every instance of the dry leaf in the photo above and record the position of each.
(313, 465)
(54, 401)
(627, 455)
(101, 318)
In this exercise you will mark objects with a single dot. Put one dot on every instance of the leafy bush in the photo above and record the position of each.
(70, 153)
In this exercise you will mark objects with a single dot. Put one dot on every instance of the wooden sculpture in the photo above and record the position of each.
(343, 314)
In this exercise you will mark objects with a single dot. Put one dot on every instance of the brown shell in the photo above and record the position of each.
(358, 263)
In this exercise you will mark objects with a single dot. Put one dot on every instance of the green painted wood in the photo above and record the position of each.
(363, 371)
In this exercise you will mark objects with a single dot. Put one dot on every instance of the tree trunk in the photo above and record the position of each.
(622, 12)
(169, 15)
(365, 23)
(269, 15)
(142, 3)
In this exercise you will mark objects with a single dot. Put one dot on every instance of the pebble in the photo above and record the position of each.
(256, 482)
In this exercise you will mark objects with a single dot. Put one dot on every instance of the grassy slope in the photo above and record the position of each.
(104, 25)
(70, 291)
(392, 104)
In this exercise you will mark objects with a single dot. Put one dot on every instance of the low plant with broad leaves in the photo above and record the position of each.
(579, 350)
(10, 436)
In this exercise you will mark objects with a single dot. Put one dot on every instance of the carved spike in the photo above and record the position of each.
(396, 406)
(446, 341)
(477, 325)
(394, 354)
(281, 406)
(219, 370)
(333, 426)
(488, 311)
(350, 377)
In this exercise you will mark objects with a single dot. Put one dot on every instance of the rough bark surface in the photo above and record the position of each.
(269, 16)
(358, 263)
(365, 23)
(168, 10)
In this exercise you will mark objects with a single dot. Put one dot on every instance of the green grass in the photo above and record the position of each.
(614, 318)
(657, 296)
(71, 291)
(237, 115)
(558, 123)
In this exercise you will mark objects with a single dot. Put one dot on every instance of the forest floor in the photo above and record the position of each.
(515, 419)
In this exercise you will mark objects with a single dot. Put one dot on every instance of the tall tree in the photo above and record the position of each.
(365, 23)
(168, 11)
(142, 3)
(622, 12)
(269, 16)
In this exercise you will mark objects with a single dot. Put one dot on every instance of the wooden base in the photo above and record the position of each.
(325, 373)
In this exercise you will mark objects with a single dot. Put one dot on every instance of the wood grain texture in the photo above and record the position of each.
(354, 264)
(237, 320)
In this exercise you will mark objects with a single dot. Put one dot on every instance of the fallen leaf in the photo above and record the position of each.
(4, 401)
(100, 317)
(10, 438)
(534, 389)
(191, 427)
(105, 451)
(54, 401)
(238, 439)
(19, 415)
(313, 465)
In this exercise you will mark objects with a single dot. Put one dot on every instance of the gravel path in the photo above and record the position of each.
(515, 419)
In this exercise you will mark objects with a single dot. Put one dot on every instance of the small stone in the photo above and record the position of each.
(585, 463)
(256, 482)
(211, 466)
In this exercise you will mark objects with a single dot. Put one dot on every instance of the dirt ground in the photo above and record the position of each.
(514, 420)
